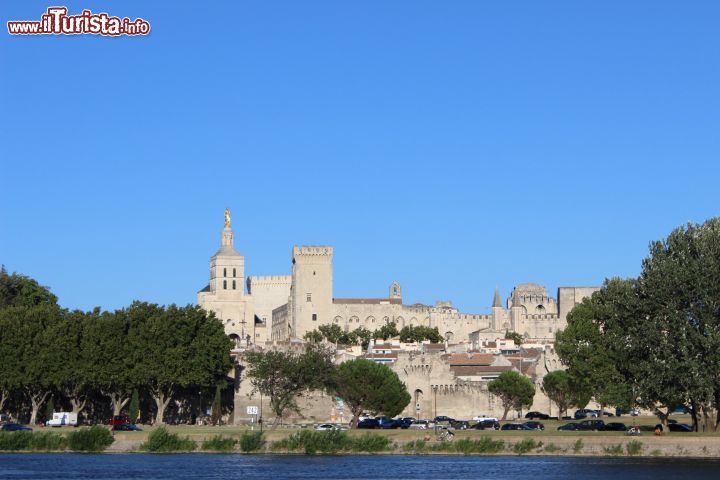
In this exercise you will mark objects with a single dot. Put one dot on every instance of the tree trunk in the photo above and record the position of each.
(78, 405)
(118, 400)
(663, 416)
(505, 412)
(4, 395)
(693, 414)
(36, 400)
(162, 400)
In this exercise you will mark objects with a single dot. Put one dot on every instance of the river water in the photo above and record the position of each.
(146, 467)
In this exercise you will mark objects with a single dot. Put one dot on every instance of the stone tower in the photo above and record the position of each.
(225, 294)
(311, 297)
(395, 290)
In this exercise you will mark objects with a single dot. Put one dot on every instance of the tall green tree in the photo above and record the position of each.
(515, 391)
(21, 291)
(134, 407)
(389, 330)
(592, 345)
(285, 376)
(564, 392)
(420, 333)
(679, 288)
(365, 385)
(176, 347)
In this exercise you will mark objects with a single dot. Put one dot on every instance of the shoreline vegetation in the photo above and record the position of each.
(240, 440)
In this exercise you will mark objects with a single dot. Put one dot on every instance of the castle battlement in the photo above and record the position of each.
(269, 279)
(312, 250)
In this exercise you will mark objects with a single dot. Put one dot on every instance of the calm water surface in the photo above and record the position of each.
(139, 466)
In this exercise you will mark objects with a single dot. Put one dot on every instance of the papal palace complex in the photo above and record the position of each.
(275, 311)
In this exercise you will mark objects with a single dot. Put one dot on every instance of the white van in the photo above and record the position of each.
(61, 419)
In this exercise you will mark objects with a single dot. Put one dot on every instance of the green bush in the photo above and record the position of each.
(415, 446)
(160, 440)
(38, 441)
(483, 445)
(332, 441)
(634, 447)
(578, 446)
(13, 441)
(93, 439)
(614, 449)
(46, 441)
(552, 448)
(251, 441)
(220, 443)
(370, 443)
(526, 445)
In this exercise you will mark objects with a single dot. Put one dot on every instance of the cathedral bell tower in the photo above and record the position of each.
(227, 266)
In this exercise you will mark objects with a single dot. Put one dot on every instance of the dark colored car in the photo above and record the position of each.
(15, 427)
(585, 413)
(486, 425)
(126, 427)
(391, 424)
(537, 416)
(460, 424)
(615, 427)
(535, 425)
(680, 427)
(443, 418)
(368, 423)
(569, 426)
(595, 425)
(405, 422)
(515, 426)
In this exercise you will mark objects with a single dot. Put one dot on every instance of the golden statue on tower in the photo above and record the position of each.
(227, 218)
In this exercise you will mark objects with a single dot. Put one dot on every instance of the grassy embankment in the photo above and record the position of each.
(296, 440)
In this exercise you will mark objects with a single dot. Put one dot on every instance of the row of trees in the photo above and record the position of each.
(81, 358)
(654, 341)
(364, 385)
(334, 334)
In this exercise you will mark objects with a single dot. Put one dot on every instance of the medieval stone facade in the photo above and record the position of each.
(450, 379)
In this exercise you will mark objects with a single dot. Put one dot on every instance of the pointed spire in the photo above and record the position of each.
(496, 299)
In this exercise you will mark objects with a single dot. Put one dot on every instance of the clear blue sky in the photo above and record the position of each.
(451, 146)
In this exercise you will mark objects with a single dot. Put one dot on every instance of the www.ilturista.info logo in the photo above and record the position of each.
(57, 22)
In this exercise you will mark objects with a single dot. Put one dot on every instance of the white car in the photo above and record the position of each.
(422, 424)
(481, 418)
(330, 426)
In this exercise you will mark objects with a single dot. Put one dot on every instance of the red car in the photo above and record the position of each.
(118, 420)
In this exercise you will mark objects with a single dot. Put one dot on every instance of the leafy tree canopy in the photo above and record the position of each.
(515, 390)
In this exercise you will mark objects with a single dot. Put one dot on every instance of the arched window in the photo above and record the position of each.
(224, 284)
(233, 284)
(224, 272)
(234, 273)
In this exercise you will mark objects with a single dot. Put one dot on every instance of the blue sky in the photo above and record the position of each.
(451, 146)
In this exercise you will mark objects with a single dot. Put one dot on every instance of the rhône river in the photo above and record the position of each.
(192, 466)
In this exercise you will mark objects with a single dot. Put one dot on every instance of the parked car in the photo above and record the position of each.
(118, 420)
(680, 427)
(421, 424)
(605, 413)
(537, 416)
(535, 425)
(129, 427)
(615, 427)
(392, 424)
(569, 427)
(480, 418)
(368, 423)
(15, 427)
(515, 426)
(487, 425)
(405, 422)
(460, 424)
(585, 413)
(4, 418)
(595, 425)
(443, 418)
(633, 412)
(681, 409)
